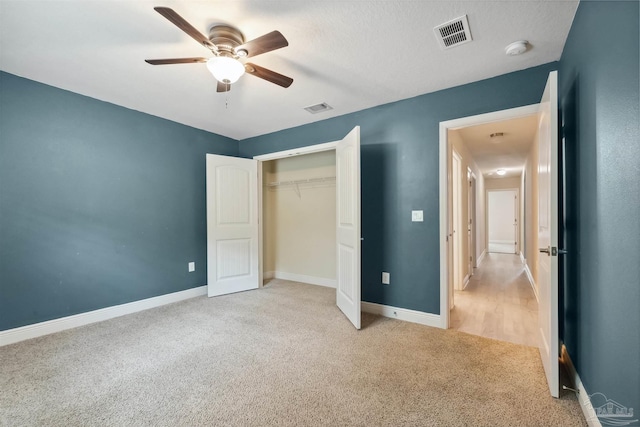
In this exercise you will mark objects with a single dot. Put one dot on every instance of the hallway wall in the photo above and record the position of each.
(456, 141)
(531, 211)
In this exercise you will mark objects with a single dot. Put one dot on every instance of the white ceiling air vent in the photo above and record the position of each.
(453, 33)
(318, 108)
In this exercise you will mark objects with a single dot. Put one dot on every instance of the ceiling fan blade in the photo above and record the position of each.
(175, 61)
(180, 22)
(268, 75)
(272, 41)
(223, 87)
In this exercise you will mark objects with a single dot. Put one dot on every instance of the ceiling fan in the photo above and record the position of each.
(228, 46)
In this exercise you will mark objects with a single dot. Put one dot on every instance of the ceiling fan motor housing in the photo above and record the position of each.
(226, 38)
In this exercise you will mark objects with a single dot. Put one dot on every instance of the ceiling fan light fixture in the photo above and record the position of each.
(225, 69)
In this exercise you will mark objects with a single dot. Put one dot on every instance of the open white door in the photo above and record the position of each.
(348, 225)
(232, 224)
(548, 233)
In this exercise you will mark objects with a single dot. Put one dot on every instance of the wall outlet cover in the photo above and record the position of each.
(192, 267)
(386, 278)
(417, 216)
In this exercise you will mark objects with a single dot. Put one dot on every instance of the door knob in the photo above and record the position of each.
(545, 250)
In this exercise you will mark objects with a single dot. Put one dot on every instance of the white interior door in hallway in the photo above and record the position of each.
(471, 204)
(502, 220)
(457, 225)
(548, 233)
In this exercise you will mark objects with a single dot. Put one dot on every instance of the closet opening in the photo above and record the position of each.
(298, 228)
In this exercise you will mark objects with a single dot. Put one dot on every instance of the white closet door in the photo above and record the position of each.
(548, 233)
(348, 226)
(232, 224)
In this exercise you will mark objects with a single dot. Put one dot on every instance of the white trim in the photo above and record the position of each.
(583, 396)
(405, 314)
(495, 116)
(260, 196)
(481, 257)
(501, 242)
(465, 282)
(297, 151)
(522, 258)
(311, 280)
(532, 282)
(444, 241)
(22, 333)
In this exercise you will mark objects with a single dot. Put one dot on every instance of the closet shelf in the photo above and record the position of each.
(302, 181)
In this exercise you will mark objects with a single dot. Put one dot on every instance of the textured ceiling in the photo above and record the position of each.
(350, 54)
(508, 152)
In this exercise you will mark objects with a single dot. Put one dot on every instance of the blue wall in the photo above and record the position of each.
(99, 205)
(400, 173)
(600, 107)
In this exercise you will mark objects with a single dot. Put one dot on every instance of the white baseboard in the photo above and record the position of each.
(481, 257)
(583, 396)
(522, 258)
(465, 282)
(22, 333)
(312, 280)
(501, 242)
(405, 314)
(531, 281)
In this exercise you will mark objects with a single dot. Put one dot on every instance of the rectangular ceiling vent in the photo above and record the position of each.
(318, 108)
(453, 33)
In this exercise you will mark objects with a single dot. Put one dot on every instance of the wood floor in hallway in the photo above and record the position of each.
(498, 302)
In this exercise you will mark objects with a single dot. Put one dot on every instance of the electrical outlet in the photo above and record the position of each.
(417, 216)
(386, 278)
(192, 267)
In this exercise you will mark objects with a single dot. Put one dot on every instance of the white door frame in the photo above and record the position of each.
(445, 126)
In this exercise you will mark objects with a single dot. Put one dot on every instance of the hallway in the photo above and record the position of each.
(498, 302)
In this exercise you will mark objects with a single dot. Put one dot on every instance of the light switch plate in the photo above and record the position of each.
(417, 216)
(386, 277)
(192, 267)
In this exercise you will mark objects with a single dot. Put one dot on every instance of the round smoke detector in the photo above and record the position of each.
(516, 48)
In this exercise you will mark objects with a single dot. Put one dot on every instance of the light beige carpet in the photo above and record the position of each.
(283, 355)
